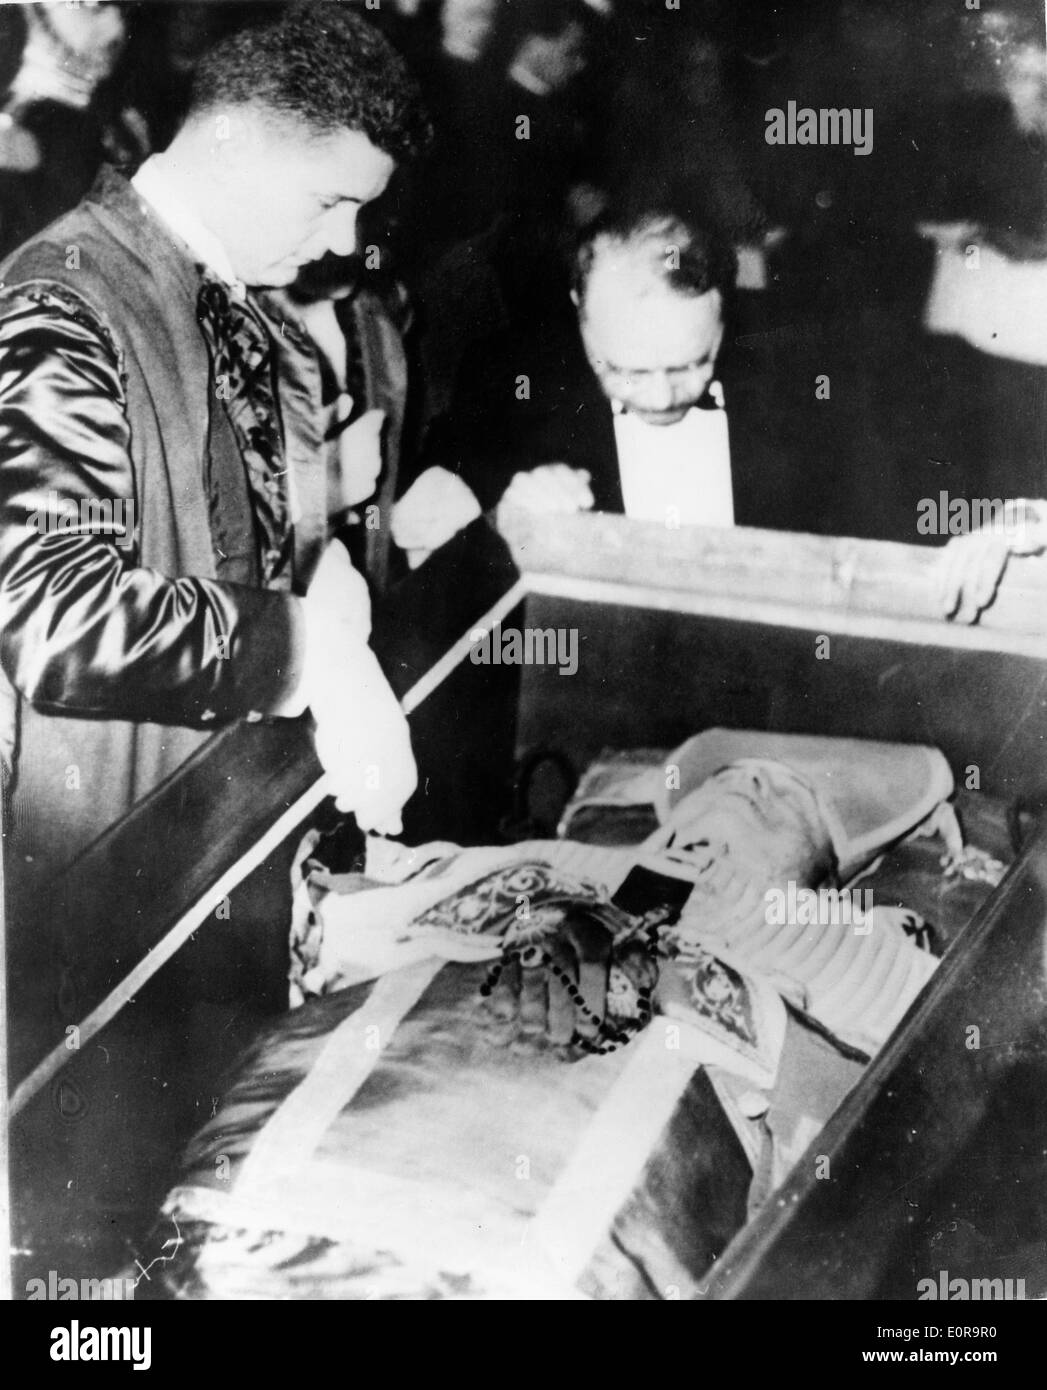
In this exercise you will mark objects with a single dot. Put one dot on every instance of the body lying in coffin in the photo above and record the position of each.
(413, 1131)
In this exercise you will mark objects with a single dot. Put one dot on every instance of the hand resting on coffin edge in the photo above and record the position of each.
(972, 566)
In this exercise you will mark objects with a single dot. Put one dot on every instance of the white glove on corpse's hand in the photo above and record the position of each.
(362, 739)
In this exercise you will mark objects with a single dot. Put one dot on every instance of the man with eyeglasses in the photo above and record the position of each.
(632, 404)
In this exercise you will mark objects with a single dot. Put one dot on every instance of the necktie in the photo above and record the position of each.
(242, 363)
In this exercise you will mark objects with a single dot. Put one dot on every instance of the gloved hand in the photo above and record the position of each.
(338, 599)
(362, 739)
(435, 508)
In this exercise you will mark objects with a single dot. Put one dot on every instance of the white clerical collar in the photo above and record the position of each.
(679, 474)
(153, 183)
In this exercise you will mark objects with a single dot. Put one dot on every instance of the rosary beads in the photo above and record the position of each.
(608, 1038)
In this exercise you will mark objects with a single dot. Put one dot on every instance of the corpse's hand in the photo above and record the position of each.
(972, 565)
(577, 988)
(362, 739)
(433, 510)
(551, 489)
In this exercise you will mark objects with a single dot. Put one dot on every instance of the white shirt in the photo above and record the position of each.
(679, 475)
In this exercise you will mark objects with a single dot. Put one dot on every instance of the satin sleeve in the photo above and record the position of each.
(85, 628)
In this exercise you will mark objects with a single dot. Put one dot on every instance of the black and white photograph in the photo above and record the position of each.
(523, 660)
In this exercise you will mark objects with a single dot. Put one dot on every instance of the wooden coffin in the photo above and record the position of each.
(935, 1161)
(678, 631)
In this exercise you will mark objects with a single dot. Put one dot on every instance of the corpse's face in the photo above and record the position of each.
(288, 197)
(753, 822)
(653, 350)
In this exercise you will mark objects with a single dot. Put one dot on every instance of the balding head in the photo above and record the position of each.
(650, 293)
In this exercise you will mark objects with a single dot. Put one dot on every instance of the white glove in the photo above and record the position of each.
(433, 510)
(338, 596)
(362, 739)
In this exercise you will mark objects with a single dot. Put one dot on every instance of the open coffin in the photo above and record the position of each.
(681, 632)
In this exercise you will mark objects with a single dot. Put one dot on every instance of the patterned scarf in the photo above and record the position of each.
(242, 361)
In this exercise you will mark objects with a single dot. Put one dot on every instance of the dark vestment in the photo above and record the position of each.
(125, 655)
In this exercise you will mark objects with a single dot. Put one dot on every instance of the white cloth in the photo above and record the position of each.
(153, 183)
(679, 475)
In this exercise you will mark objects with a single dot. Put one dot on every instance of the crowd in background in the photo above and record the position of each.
(547, 111)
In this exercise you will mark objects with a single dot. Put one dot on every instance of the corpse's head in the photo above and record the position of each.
(293, 126)
(650, 291)
(752, 826)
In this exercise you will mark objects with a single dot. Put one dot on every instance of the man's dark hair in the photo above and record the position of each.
(686, 257)
(323, 65)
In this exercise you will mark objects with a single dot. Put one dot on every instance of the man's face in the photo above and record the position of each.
(289, 197)
(653, 350)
